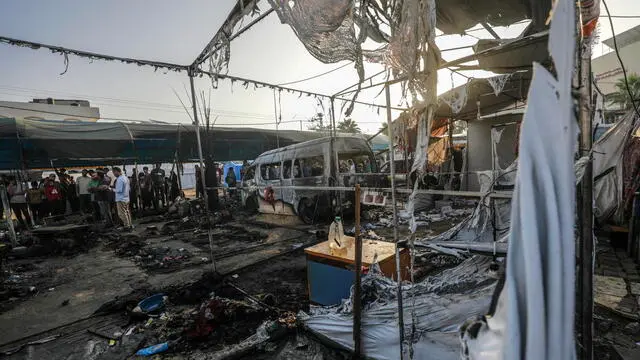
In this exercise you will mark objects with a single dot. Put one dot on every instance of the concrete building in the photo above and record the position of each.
(607, 70)
(50, 109)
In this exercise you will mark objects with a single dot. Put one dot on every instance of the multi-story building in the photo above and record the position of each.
(50, 109)
(607, 70)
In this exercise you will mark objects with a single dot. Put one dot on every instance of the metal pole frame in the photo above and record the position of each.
(201, 161)
(586, 245)
(6, 208)
(357, 294)
(392, 173)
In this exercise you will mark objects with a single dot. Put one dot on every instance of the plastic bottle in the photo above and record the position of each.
(154, 349)
(336, 233)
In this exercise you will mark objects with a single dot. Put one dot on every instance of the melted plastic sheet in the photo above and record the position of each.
(608, 169)
(534, 317)
(440, 304)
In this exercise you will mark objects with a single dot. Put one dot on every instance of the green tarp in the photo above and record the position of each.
(33, 144)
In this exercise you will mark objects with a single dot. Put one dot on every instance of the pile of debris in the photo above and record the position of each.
(221, 325)
(164, 259)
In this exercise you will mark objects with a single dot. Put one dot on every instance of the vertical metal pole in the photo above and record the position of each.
(335, 171)
(197, 124)
(466, 155)
(201, 159)
(275, 116)
(631, 238)
(395, 220)
(7, 215)
(586, 247)
(636, 253)
(357, 306)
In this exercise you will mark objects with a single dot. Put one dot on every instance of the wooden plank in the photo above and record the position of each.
(371, 249)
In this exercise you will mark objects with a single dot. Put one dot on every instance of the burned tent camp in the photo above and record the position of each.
(435, 238)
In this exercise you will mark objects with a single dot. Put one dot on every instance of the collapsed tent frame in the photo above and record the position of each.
(193, 70)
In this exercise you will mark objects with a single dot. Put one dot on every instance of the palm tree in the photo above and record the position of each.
(621, 95)
(348, 126)
(384, 128)
(317, 123)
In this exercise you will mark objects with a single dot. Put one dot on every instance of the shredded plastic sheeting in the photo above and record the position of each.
(534, 317)
(478, 227)
(440, 303)
(335, 30)
(608, 154)
(497, 83)
(456, 99)
(218, 50)
(326, 28)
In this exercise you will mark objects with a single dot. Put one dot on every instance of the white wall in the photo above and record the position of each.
(607, 70)
(479, 146)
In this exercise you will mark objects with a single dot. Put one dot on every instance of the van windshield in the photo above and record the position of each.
(355, 163)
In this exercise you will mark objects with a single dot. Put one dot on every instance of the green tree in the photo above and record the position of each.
(317, 123)
(384, 128)
(621, 95)
(348, 126)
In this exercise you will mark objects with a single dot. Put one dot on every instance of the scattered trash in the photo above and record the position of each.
(154, 349)
(297, 245)
(52, 289)
(235, 276)
(446, 211)
(151, 304)
(632, 329)
(112, 342)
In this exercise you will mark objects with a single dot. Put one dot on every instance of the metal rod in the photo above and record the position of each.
(490, 30)
(201, 160)
(238, 8)
(586, 248)
(274, 86)
(91, 55)
(395, 221)
(631, 238)
(356, 84)
(275, 116)
(357, 296)
(475, 194)
(7, 215)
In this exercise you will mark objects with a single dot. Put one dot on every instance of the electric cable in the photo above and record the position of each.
(315, 76)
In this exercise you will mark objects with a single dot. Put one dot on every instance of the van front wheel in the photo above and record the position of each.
(307, 211)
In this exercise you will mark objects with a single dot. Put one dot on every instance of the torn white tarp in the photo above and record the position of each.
(608, 153)
(478, 227)
(534, 317)
(440, 304)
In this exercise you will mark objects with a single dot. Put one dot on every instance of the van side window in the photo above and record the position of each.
(270, 171)
(309, 167)
(250, 174)
(286, 169)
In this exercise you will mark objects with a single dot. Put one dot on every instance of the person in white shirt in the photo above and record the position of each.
(122, 190)
(18, 201)
(83, 192)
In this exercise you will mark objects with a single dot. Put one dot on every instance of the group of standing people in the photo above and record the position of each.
(94, 192)
(47, 197)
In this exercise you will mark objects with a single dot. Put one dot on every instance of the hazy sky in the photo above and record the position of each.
(176, 32)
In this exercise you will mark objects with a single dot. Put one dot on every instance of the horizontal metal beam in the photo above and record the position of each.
(303, 92)
(474, 194)
(91, 55)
